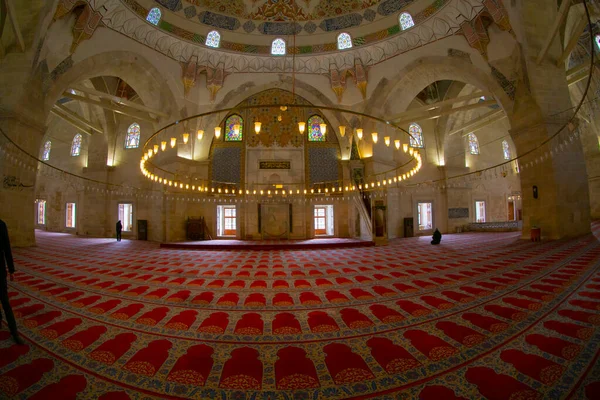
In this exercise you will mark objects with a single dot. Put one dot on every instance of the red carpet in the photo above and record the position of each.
(327, 243)
(480, 316)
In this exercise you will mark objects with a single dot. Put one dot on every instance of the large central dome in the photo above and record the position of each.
(281, 17)
(285, 10)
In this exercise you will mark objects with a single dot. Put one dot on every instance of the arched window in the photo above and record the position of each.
(278, 47)
(416, 135)
(597, 40)
(76, 145)
(47, 148)
(132, 140)
(231, 133)
(314, 129)
(406, 21)
(344, 41)
(473, 144)
(505, 150)
(213, 39)
(154, 16)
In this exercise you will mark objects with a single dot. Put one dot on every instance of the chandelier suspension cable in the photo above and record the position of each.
(294, 60)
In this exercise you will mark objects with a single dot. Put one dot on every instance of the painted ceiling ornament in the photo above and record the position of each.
(280, 10)
(360, 77)
(499, 15)
(338, 81)
(476, 35)
(189, 74)
(85, 25)
(63, 8)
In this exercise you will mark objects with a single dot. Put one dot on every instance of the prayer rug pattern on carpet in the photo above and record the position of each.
(479, 316)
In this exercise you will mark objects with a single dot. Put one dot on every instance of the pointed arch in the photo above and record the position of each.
(314, 129)
(344, 41)
(132, 139)
(473, 144)
(213, 39)
(230, 132)
(47, 148)
(406, 21)
(278, 47)
(76, 145)
(154, 16)
(416, 135)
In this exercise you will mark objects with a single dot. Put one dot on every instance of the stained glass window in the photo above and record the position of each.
(47, 148)
(473, 144)
(278, 47)
(76, 145)
(314, 129)
(344, 41)
(416, 135)
(230, 133)
(132, 140)
(506, 150)
(154, 16)
(213, 39)
(597, 40)
(406, 21)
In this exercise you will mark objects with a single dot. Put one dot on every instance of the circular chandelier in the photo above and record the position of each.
(158, 142)
(162, 142)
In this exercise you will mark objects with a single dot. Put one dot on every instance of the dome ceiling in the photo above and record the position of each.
(182, 29)
(285, 10)
(283, 17)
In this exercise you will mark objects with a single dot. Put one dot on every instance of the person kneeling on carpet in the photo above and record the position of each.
(437, 237)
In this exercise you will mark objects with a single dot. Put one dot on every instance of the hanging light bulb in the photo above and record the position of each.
(387, 141)
(374, 136)
(257, 126)
(173, 142)
(163, 145)
(149, 153)
(200, 134)
(359, 133)
(155, 149)
(323, 128)
(186, 137)
(405, 147)
(342, 130)
(397, 144)
(236, 130)
(301, 127)
(411, 151)
(217, 132)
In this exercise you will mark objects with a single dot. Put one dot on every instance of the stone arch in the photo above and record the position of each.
(132, 67)
(302, 89)
(395, 97)
(416, 76)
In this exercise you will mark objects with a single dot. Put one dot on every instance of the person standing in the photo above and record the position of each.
(119, 229)
(7, 261)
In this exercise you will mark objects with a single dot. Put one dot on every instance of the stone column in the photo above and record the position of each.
(18, 174)
(562, 207)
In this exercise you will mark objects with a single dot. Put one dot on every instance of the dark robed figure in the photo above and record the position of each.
(6, 260)
(119, 229)
(437, 237)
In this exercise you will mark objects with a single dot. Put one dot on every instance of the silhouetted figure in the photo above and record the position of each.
(6, 260)
(437, 237)
(119, 229)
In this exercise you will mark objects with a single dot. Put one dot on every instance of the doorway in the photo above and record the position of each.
(323, 220)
